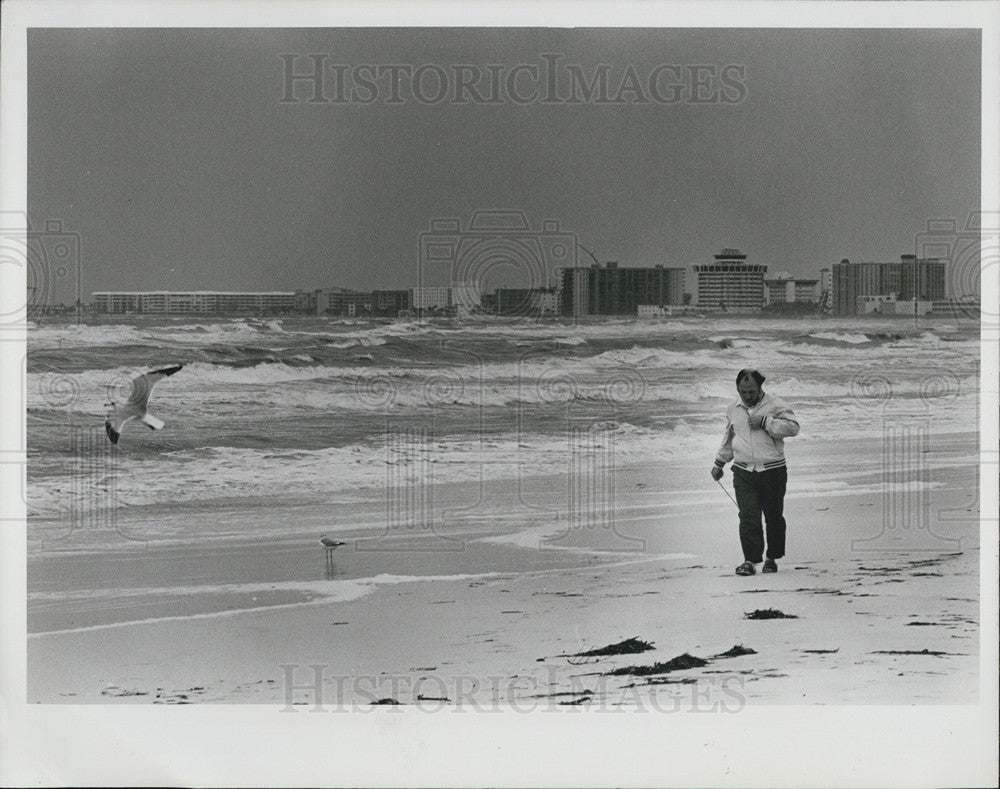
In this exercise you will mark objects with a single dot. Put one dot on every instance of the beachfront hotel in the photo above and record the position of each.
(178, 302)
(730, 283)
(610, 290)
(908, 279)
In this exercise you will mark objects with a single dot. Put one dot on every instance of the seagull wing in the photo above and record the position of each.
(143, 385)
(116, 421)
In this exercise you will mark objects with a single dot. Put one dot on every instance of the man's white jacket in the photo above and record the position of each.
(757, 448)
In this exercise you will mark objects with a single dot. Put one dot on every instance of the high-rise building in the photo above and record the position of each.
(730, 283)
(826, 288)
(610, 290)
(575, 292)
(921, 279)
(910, 278)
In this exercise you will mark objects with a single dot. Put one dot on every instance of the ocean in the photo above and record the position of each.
(441, 450)
(315, 409)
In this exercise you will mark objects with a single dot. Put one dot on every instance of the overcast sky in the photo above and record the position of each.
(172, 155)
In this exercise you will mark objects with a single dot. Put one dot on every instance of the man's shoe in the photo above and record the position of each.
(746, 568)
(770, 566)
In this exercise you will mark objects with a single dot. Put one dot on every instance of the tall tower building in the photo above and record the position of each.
(730, 283)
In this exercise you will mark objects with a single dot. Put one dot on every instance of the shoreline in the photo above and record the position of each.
(507, 606)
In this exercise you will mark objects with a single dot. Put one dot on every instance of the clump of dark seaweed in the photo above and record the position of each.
(736, 651)
(629, 646)
(674, 664)
(769, 613)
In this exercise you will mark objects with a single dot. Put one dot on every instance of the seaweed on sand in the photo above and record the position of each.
(674, 664)
(736, 651)
(931, 652)
(769, 613)
(629, 646)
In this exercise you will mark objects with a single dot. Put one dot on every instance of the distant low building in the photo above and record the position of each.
(876, 304)
(890, 304)
(658, 311)
(434, 296)
(177, 302)
(534, 302)
(545, 302)
(390, 303)
(513, 301)
(466, 298)
(912, 307)
(965, 307)
(341, 301)
(785, 289)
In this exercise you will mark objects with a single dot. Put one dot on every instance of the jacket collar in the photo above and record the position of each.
(765, 399)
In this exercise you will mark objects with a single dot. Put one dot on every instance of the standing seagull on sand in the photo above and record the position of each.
(136, 405)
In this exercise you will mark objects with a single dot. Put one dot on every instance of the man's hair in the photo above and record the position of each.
(749, 372)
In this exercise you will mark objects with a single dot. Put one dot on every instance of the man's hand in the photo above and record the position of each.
(757, 421)
(716, 473)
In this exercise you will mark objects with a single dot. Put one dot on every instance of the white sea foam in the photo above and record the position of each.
(397, 461)
(618, 378)
(853, 339)
(742, 332)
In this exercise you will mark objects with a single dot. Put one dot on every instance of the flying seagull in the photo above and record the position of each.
(136, 405)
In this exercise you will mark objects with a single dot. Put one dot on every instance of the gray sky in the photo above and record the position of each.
(171, 154)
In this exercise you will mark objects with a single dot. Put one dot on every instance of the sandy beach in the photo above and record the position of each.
(498, 604)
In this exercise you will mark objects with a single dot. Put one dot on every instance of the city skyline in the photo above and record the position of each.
(910, 285)
(690, 277)
(197, 159)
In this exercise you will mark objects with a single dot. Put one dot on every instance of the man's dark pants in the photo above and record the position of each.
(757, 493)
